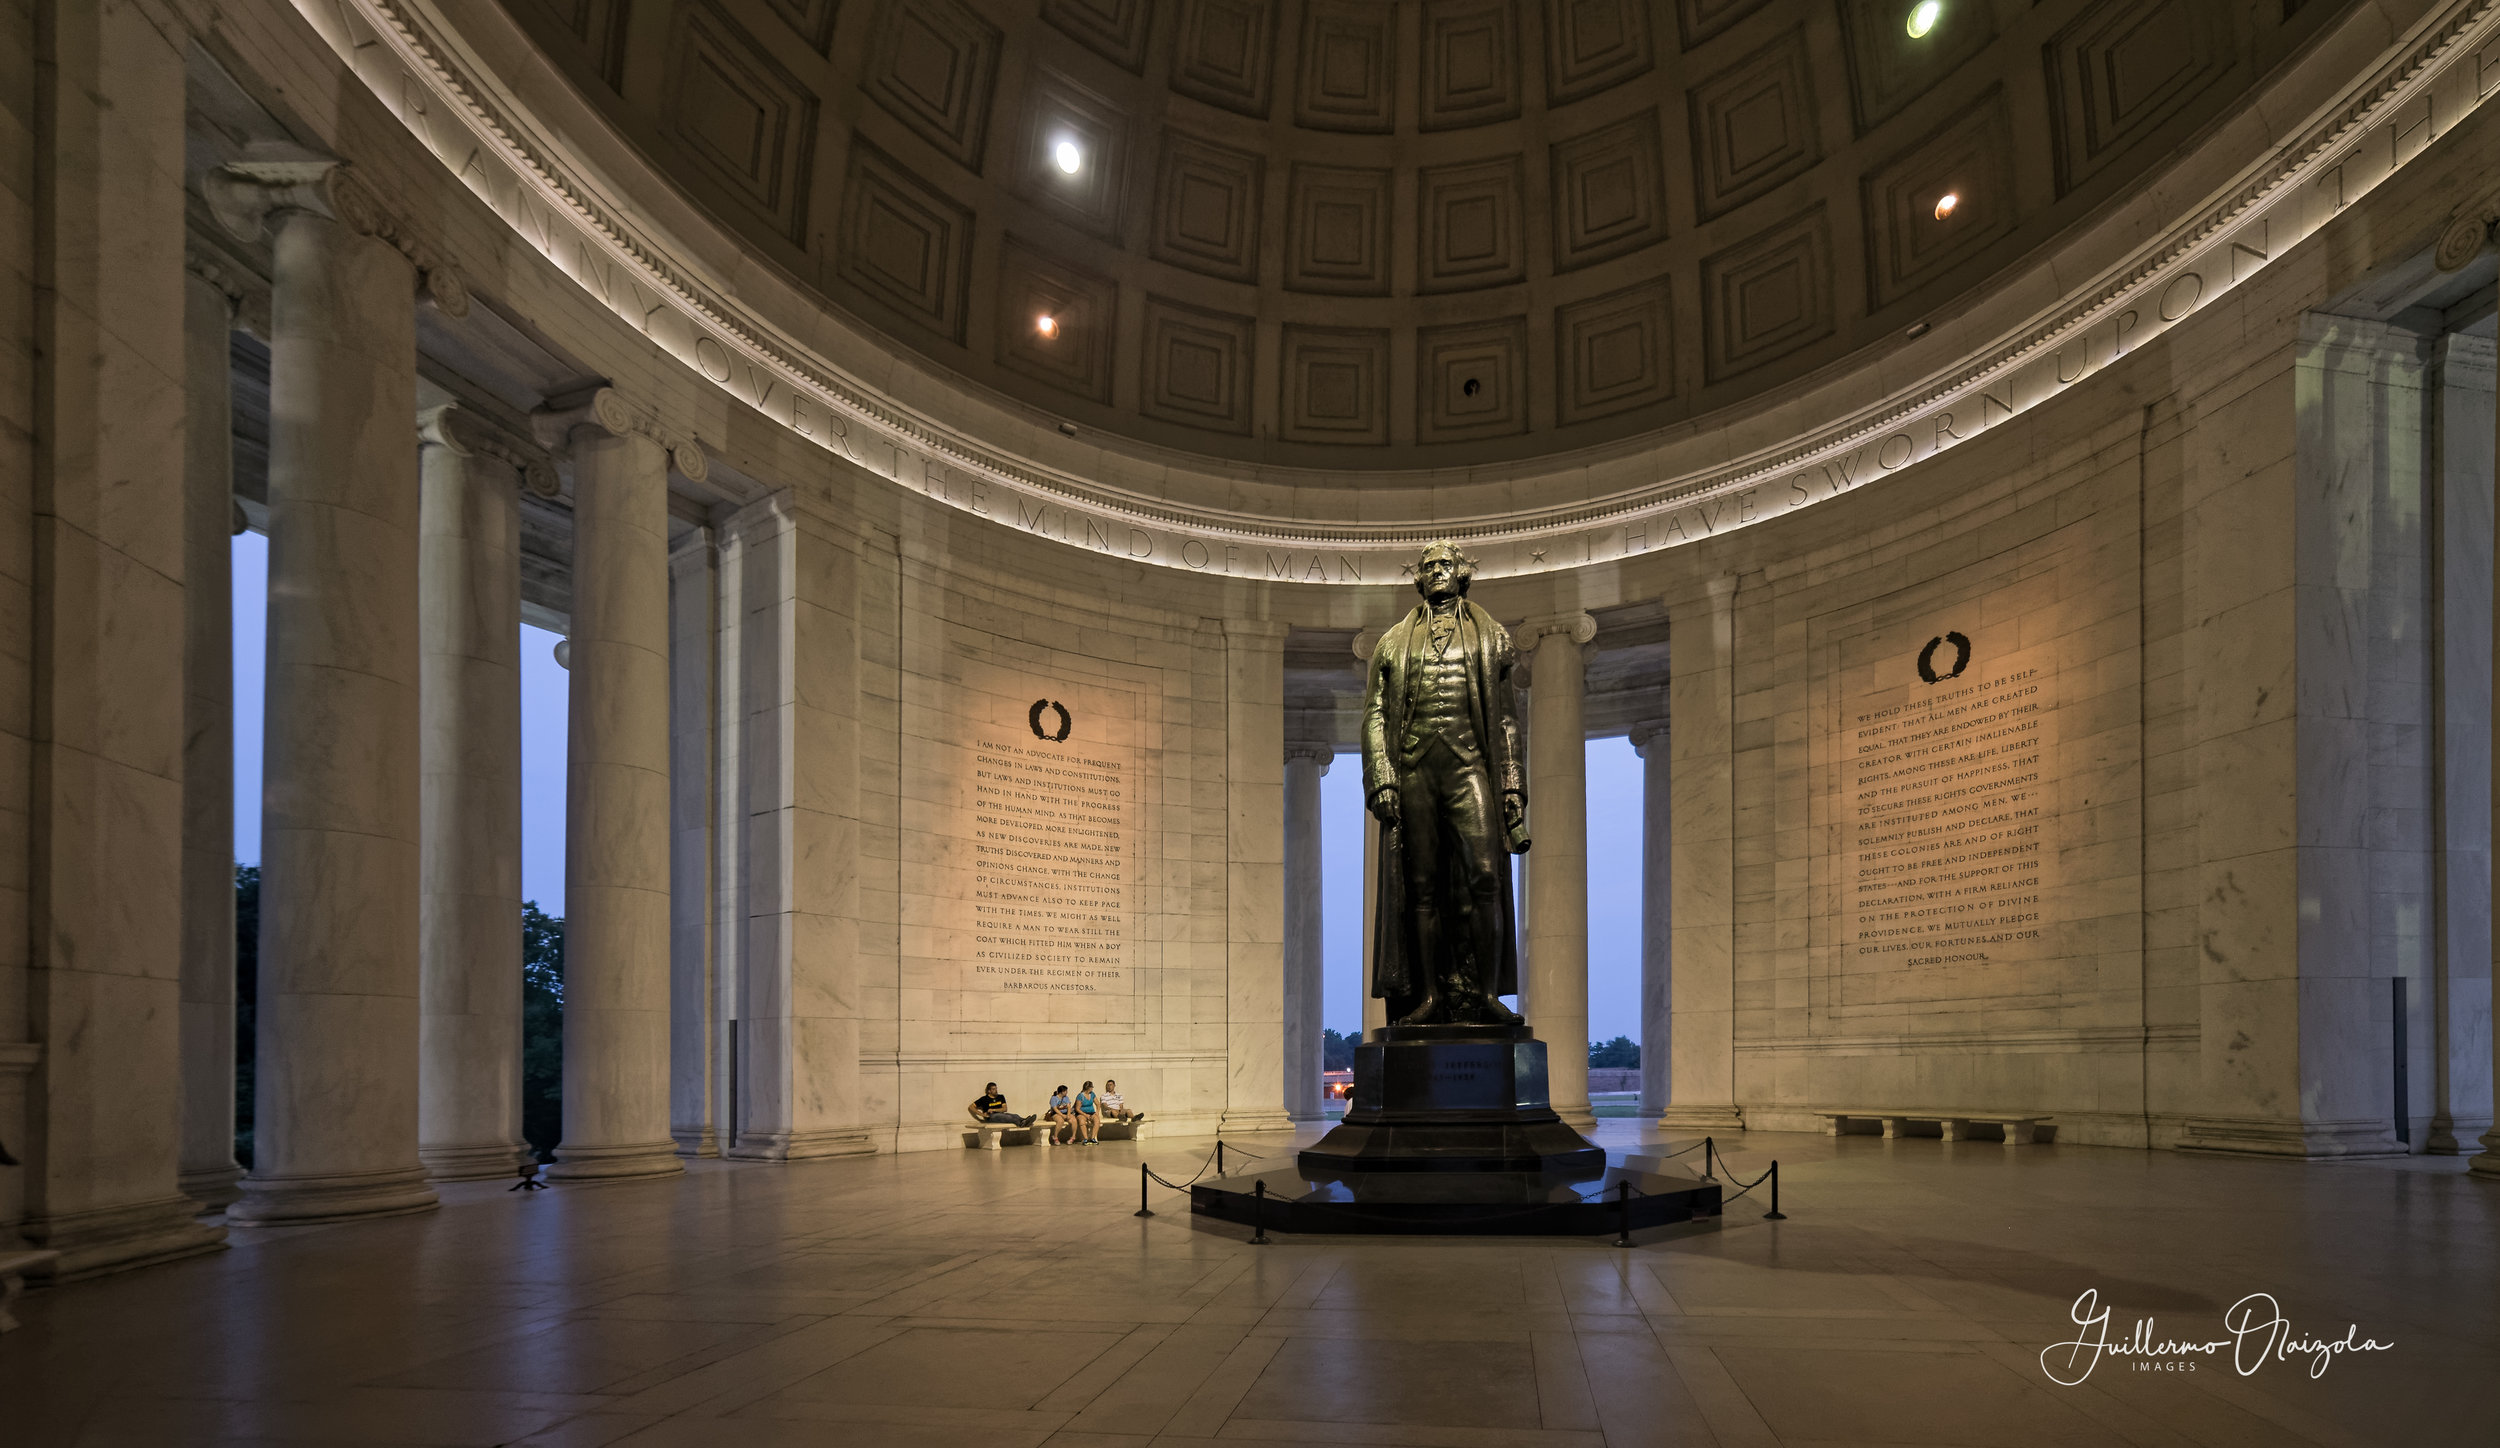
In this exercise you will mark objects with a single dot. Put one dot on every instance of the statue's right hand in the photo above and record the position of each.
(1384, 805)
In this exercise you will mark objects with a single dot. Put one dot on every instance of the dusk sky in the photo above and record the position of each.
(1614, 788)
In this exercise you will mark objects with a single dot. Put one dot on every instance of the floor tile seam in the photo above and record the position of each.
(864, 1337)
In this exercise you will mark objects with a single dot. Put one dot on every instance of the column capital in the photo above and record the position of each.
(246, 294)
(468, 434)
(1324, 753)
(1579, 627)
(2469, 230)
(246, 196)
(1646, 733)
(617, 415)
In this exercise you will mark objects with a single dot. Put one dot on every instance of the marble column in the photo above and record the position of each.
(1556, 983)
(469, 727)
(693, 992)
(210, 1175)
(800, 996)
(616, 845)
(335, 1081)
(2486, 1163)
(1701, 860)
(1375, 1010)
(91, 599)
(2461, 1056)
(1254, 877)
(1650, 741)
(1305, 972)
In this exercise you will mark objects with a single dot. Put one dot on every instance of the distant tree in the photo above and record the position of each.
(1336, 1052)
(246, 1003)
(542, 1029)
(1622, 1052)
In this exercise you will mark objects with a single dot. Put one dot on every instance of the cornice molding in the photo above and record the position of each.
(1686, 487)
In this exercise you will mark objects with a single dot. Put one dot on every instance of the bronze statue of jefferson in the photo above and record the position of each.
(1442, 772)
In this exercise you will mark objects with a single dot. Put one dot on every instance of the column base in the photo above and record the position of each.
(499, 1159)
(213, 1186)
(2298, 1140)
(1578, 1118)
(2453, 1136)
(614, 1163)
(1703, 1117)
(801, 1145)
(2486, 1163)
(695, 1140)
(1245, 1123)
(115, 1239)
(301, 1201)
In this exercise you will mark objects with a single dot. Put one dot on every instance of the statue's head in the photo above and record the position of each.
(1443, 572)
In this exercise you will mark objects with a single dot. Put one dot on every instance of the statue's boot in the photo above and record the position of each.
(1486, 1008)
(1427, 1012)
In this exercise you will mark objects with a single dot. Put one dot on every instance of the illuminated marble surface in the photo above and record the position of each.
(1009, 1298)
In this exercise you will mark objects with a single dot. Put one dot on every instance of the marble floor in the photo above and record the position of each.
(1009, 1298)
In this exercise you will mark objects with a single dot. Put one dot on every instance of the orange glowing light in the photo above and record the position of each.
(1047, 326)
(1945, 204)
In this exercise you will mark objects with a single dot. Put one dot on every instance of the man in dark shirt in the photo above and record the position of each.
(989, 1106)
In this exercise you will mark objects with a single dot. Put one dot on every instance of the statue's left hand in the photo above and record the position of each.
(1515, 822)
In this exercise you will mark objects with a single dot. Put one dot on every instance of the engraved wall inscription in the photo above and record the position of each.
(1941, 811)
(1051, 876)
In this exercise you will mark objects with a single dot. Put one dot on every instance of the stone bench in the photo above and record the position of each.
(1125, 1130)
(991, 1135)
(13, 1269)
(2021, 1127)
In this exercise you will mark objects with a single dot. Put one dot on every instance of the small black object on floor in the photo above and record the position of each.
(1450, 1130)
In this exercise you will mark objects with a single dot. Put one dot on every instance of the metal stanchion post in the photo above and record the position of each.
(1219, 1156)
(1623, 1214)
(1258, 1214)
(1775, 1214)
(1142, 1209)
(1709, 1153)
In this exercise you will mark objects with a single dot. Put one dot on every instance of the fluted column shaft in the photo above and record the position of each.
(1305, 972)
(468, 925)
(1375, 1009)
(335, 1099)
(209, 1173)
(1657, 913)
(616, 845)
(1558, 867)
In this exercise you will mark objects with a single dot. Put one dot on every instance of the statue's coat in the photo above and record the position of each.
(1491, 658)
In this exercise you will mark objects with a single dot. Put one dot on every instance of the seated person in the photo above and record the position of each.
(1088, 1121)
(990, 1107)
(1062, 1116)
(1113, 1106)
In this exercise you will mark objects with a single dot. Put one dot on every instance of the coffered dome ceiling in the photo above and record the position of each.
(1357, 235)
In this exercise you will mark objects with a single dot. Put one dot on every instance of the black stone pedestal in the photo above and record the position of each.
(1449, 1131)
(1451, 1099)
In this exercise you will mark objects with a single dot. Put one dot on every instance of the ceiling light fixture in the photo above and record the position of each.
(1047, 325)
(1946, 203)
(1923, 17)
(1068, 157)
